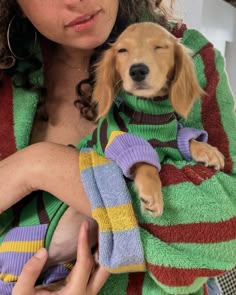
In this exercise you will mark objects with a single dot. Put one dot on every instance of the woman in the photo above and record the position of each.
(75, 29)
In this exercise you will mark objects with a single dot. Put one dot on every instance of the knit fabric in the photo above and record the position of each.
(120, 248)
(195, 238)
(158, 133)
(25, 234)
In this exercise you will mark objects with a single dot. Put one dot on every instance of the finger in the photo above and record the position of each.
(30, 274)
(97, 280)
(80, 274)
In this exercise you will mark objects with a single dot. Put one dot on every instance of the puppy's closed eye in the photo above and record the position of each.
(161, 47)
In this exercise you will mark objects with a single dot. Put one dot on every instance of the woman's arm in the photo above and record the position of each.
(43, 166)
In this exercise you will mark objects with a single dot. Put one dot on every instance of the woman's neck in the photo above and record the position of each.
(72, 57)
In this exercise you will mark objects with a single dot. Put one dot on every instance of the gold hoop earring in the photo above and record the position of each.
(13, 34)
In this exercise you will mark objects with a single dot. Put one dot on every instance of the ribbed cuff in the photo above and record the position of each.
(127, 150)
(54, 274)
(185, 135)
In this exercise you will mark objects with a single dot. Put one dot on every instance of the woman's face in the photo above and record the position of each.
(82, 24)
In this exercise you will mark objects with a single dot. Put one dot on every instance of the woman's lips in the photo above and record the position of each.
(83, 22)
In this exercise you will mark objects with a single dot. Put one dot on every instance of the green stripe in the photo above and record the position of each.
(147, 106)
(189, 255)
(115, 285)
(52, 204)
(29, 214)
(194, 40)
(160, 132)
(24, 107)
(178, 209)
(194, 118)
(6, 219)
(55, 215)
(25, 104)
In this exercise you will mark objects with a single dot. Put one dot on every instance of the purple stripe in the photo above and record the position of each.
(6, 288)
(26, 233)
(55, 273)
(12, 263)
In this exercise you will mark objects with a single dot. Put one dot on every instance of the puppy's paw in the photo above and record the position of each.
(148, 185)
(207, 154)
(151, 197)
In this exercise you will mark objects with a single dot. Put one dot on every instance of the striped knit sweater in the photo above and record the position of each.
(194, 239)
(158, 134)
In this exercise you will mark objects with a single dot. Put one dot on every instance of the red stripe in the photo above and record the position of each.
(177, 277)
(196, 174)
(206, 289)
(204, 232)
(210, 110)
(135, 284)
(7, 138)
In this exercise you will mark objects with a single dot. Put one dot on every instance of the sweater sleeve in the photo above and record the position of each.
(127, 150)
(184, 135)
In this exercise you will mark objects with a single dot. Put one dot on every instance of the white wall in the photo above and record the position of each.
(216, 19)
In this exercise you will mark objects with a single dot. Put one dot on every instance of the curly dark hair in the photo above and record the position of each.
(129, 11)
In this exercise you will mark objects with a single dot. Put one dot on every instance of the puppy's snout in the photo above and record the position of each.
(138, 72)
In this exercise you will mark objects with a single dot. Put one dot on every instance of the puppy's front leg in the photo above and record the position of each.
(148, 184)
(207, 154)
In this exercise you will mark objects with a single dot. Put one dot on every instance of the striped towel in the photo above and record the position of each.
(120, 247)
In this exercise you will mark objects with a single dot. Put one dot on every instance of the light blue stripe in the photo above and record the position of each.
(120, 249)
(105, 186)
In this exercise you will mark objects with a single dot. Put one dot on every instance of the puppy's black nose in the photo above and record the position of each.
(138, 72)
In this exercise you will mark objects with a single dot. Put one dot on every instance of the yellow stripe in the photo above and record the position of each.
(68, 266)
(27, 246)
(119, 218)
(113, 135)
(127, 268)
(8, 278)
(91, 159)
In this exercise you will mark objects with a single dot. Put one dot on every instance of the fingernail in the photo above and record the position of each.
(41, 253)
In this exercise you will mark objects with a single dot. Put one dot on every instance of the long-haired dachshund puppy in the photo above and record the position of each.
(149, 63)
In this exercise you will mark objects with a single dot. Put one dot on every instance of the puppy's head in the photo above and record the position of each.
(146, 60)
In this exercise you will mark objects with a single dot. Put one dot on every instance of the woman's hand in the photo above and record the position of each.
(43, 166)
(86, 278)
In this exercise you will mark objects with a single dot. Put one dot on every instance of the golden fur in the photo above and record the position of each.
(170, 71)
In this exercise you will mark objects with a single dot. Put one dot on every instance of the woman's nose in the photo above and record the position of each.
(73, 4)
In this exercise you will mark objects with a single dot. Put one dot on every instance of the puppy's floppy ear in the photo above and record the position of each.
(106, 80)
(184, 89)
